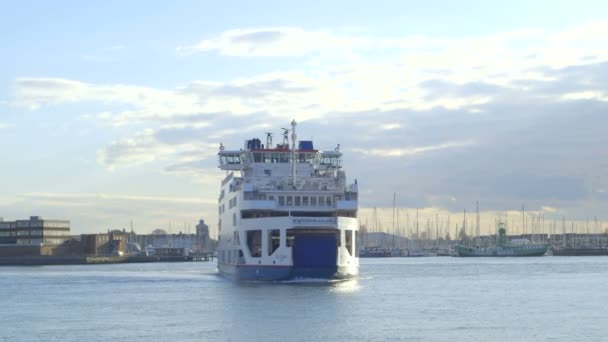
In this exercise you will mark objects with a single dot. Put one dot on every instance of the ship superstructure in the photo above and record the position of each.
(286, 211)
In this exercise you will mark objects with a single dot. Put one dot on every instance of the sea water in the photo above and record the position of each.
(393, 299)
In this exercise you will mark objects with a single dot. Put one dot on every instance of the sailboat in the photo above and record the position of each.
(503, 248)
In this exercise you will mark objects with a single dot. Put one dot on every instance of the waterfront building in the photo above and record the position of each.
(34, 231)
(202, 229)
(160, 238)
(35, 237)
(112, 243)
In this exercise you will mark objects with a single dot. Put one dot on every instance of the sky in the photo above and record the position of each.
(112, 113)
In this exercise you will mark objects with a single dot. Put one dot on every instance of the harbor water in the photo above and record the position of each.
(394, 299)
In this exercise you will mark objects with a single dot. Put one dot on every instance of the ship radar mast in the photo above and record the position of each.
(285, 138)
(293, 152)
(268, 140)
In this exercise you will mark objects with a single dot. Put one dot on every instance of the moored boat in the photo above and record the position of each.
(580, 251)
(503, 248)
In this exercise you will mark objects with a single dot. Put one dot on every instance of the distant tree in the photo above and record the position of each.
(448, 237)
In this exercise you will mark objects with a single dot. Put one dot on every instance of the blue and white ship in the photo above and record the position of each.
(286, 212)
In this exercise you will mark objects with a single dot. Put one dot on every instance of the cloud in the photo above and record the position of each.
(519, 120)
(587, 95)
(410, 151)
(150, 145)
(548, 209)
(390, 126)
(181, 143)
(77, 197)
(413, 72)
(271, 41)
(139, 149)
(5, 125)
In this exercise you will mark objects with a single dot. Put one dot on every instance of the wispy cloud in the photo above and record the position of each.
(271, 41)
(76, 197)
(414, 72)
(413, 150)
(587, 95)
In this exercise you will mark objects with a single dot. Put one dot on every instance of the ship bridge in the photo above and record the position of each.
(252, 158)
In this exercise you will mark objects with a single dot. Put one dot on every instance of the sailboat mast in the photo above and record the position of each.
(394, 200)
(523, 220)
(464, 223)
(477, 223)
(417, 231)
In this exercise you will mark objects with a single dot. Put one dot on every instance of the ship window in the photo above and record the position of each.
(254, 243)
(305, 157)
(313, 201)
(281, 200)
(348, 240)
(305, 201)
(321, 201)
(274, 240)
(230, 159)
(267, 172)
(289, 200)
(330, 161)
(290, 238)
(297, 200)
(234, 219)
(270, 197)
(257, 157)
(328, 201)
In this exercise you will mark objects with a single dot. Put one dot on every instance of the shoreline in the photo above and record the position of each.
(93, 260)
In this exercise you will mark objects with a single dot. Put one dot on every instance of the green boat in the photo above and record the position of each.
(503, 248)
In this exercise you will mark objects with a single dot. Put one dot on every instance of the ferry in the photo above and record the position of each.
(286, 211)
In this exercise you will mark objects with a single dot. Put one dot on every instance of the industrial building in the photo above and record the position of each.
(34, 236)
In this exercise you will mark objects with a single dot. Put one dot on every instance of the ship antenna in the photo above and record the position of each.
(285, 137)
(293, 152)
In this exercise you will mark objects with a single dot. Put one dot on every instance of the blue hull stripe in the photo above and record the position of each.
(274, 273)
